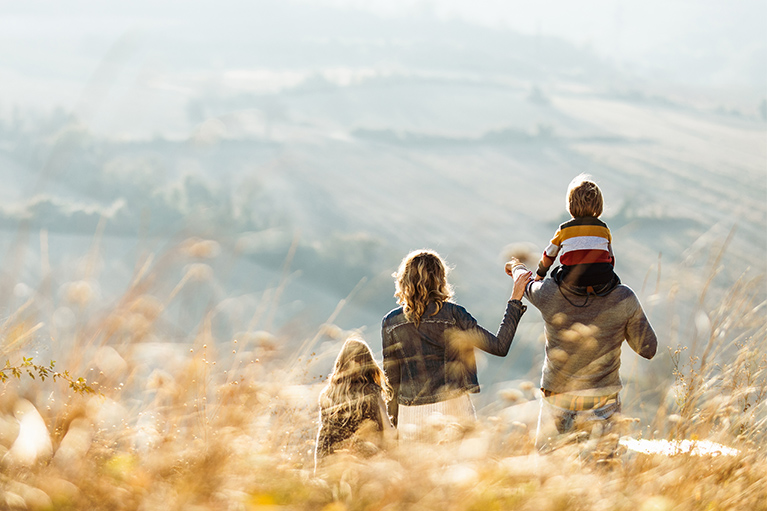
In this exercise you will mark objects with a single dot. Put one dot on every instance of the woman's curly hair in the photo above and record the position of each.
(421, 278)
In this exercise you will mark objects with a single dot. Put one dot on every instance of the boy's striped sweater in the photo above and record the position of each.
(582, 240)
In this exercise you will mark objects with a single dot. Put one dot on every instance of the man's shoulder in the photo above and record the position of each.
(623, 291)
(539, 292)
(546, 286)
(622, 296)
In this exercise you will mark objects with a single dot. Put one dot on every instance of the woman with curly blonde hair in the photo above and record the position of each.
(353, 414)
(428, 344)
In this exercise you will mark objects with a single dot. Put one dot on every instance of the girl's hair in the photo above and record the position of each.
(421, 278)
(584, 198)
(356, 378)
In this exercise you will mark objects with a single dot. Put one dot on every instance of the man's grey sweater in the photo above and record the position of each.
(584, 334)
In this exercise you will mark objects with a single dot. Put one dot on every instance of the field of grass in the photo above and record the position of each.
(227, 422)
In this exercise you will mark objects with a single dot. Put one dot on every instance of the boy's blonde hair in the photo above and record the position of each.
(584, 198)
(421, 278)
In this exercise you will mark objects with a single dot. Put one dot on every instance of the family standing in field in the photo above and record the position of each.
(428, 342)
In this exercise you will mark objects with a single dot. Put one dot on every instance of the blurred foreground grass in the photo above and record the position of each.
(228, 422)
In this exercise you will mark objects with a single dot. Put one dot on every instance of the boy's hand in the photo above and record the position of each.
(538, 277)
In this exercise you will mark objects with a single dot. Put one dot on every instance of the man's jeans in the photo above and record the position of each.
(554, 421)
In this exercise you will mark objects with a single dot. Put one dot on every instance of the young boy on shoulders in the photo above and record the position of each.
(583, 243)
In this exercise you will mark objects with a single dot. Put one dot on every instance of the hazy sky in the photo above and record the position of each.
(627, 31)
(50, 50)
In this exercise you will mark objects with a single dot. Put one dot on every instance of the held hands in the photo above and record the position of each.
(522, 278)
(520, 284)
(513, 263)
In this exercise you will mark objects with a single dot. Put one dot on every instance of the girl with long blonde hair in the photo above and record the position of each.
(353, 412)
(428, 344)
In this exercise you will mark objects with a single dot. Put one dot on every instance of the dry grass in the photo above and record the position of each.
(229, 423)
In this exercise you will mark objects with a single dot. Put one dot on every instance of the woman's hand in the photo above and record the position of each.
(520, 284)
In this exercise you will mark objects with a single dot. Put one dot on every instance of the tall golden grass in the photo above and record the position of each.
(229, 423)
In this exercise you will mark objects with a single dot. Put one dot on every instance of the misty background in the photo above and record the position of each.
(279, 157)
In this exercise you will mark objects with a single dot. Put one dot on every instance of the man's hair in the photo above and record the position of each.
(584, 198)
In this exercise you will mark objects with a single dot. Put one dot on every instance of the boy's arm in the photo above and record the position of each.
(549, 255)
(543, 267)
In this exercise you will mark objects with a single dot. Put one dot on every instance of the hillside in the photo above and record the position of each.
(316, 158)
